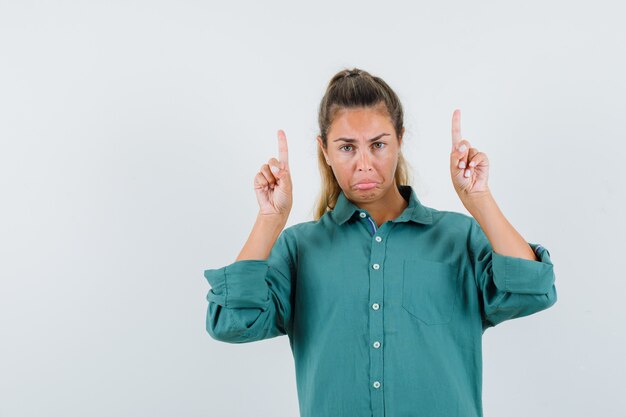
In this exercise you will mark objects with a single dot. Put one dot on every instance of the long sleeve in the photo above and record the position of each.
(251, 300)
(510, 287)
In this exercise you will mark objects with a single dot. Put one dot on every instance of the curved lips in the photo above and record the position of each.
(366, 184)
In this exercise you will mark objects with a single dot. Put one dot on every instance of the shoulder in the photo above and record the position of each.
(294, 237)
(307, 229)
(301, 228)
(310, 232)
(452, 220)
(458, 227)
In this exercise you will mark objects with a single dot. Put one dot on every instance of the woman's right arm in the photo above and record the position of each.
(251, 299)
(272, 185)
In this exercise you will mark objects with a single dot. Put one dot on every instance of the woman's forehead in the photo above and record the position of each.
(360, 123)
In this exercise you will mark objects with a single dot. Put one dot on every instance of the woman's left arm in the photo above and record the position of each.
(503, 237)
(469, 169)
(512, 281)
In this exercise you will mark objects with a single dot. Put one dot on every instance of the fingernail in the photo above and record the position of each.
(473, 163)
(274, 169)
(462, 164)
(467, 173)
(462, 148)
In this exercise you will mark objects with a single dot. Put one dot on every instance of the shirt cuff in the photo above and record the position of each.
(524, 276)
(239, 285)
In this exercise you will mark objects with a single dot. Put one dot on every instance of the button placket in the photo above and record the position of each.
(376, 322)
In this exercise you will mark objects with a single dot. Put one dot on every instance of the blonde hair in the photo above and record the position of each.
(350, 89)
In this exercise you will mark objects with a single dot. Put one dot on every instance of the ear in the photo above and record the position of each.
(400, 138)
(320, 143)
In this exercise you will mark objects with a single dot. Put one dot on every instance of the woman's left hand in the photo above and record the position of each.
(468, 167)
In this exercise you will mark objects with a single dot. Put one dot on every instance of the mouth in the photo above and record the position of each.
(365, 186)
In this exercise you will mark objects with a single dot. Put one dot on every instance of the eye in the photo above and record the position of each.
(345, 146)
(379, 143)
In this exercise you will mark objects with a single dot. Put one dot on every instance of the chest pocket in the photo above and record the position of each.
(429, 290)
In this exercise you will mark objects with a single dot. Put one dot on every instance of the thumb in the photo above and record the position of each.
(279, 171)
(280, 167)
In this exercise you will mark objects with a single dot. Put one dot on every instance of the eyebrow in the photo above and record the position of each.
(350, 140)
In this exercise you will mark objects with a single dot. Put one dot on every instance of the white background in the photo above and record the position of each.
(130, 135)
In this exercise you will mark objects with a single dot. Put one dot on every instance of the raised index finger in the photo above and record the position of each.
(283, 152)
(456, 127)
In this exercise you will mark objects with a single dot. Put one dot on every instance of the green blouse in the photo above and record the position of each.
(381, 321)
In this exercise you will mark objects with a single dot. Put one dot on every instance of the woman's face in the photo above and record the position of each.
(362, 150)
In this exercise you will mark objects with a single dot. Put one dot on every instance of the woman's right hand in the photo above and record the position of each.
(272, 184)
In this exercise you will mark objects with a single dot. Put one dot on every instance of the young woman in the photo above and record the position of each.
(384, 300)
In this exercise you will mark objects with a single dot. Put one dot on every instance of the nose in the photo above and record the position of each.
(364, 162)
